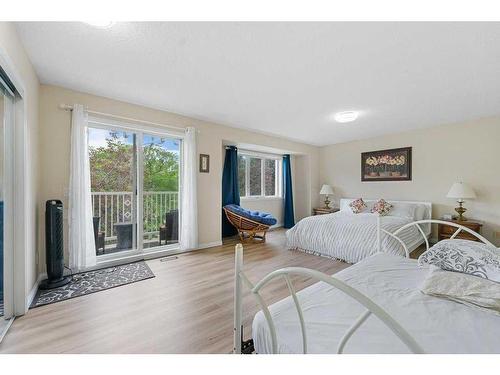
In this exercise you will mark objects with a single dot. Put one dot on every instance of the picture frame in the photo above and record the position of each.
(204, 163)
(387, 165)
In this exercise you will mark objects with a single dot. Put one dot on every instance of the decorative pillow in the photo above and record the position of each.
(470, 257)
(462, 288)
(381, 207)
(357, 205)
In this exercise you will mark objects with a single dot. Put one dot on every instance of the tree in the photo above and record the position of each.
(111, 167)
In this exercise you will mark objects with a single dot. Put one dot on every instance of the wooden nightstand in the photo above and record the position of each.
(324, 211)
(446, 231)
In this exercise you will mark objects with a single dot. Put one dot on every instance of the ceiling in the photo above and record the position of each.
(285, 79)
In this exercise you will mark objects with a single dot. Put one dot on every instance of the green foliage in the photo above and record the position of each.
(111, 167)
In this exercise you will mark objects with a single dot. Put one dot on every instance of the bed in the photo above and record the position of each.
(352, 237)
(374, 306)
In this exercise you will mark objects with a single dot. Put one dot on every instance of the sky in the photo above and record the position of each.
(97, 138)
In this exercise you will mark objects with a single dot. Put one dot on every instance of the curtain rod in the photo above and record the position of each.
(67, 107)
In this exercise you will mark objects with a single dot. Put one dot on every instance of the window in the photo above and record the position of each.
(259, 175)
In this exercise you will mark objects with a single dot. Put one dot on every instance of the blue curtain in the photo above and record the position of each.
(230, 188)
(289, 219)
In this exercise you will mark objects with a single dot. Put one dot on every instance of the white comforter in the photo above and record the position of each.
(349, 237)
(438, 325)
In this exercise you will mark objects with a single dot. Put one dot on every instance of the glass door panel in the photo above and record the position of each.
(160, 190)
(1, 201)
(113, 174)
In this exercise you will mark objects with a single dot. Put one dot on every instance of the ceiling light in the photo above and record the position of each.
(100, 23)
(346, 116)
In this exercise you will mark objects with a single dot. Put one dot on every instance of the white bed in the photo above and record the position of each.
(374, 306)
(439, 326)
(353, 237)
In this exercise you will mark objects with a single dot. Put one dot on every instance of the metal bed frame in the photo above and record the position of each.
(241, 346)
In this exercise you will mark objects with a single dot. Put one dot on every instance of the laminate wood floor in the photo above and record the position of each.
(186, 308)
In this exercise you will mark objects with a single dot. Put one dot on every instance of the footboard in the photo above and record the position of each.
(285, 273)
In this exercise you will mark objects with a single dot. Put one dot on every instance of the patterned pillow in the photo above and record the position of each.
(357, 205)
(471, 257)
(381, 207)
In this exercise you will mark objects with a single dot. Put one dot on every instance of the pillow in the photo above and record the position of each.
(357, 205)
(466, 289)
(470, 257)
(420, 211)
(381, 207)
(405, 210)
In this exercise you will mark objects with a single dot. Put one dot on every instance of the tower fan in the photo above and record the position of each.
(54, 246)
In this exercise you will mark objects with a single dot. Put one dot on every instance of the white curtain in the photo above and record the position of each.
(189, 206)
(81, 233)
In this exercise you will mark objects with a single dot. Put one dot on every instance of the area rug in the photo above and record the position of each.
(94, 281)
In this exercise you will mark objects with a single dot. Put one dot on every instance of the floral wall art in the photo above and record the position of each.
(386, 165)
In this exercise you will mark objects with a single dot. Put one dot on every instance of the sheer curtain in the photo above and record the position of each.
(81, 233)
(189, 210)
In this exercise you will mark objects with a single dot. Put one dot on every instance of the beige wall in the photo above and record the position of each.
(12, 49)
(55, 149)
(441, 155)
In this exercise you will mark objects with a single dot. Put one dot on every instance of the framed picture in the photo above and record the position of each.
(204, 163)
(386, 165)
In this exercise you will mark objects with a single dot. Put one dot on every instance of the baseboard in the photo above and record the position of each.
(276, 226)
(209, 244)
(33, 290)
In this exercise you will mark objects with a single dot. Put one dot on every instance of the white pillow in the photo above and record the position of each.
(462, 288)
(470, 257)
(405, 210)
(420, 211)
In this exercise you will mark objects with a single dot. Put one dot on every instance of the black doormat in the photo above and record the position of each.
(94, 281)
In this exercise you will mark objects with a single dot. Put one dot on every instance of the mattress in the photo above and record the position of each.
(438, 325)
(349, 237)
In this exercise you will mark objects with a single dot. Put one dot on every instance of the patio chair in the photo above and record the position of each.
(98, 236)
(169, 231)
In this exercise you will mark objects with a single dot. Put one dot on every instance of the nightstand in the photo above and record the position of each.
(446, 231)
(324, 210)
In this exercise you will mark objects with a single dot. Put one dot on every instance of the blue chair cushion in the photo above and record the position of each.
(260, 217)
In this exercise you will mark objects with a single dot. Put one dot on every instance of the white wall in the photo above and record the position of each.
(11, 47)
(441, 155)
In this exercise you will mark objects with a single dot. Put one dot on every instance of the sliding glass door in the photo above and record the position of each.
(160, 190)
(135, 189)
(7, 98)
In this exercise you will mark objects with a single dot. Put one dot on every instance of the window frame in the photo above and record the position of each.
(278, 178)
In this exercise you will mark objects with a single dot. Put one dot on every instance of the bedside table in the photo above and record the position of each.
(446, 231)
(324, 211)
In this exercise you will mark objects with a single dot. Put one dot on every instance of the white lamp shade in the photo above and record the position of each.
(459, 190)
(326, 190)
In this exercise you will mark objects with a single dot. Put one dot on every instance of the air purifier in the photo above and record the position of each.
(54, 246)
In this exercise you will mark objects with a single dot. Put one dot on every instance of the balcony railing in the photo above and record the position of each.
(118, 207)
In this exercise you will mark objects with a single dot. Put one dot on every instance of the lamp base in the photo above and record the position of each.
(327, 202)
(461, 210)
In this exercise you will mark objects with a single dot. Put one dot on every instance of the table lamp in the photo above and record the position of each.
(326, 190)
(461, 191)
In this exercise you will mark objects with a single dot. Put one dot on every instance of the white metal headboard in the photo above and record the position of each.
(419, 225)
(371, 307)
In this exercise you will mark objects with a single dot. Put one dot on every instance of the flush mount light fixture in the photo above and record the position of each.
(100, 24)
(346, 116)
